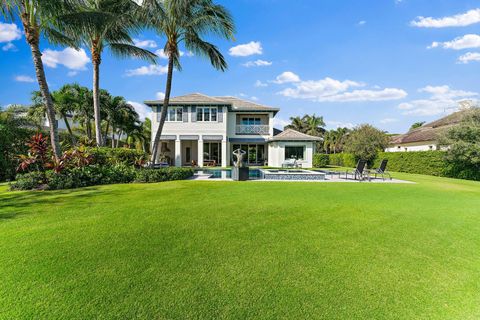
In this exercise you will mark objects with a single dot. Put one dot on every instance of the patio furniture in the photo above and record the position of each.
(382, 170)
(290, 163)
(210, 163)
(359, 173)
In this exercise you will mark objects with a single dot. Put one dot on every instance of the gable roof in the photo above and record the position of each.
(430, 132)
(293, 135)
(236, 104)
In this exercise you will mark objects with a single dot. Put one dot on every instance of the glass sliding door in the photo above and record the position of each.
(254, 153)
(212, 153)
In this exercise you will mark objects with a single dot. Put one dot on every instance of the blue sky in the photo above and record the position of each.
(350, 61)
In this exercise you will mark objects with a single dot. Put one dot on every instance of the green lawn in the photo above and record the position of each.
(256, 250)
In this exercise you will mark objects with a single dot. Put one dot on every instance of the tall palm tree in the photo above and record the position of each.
(99, 24)
(41, 17)
(297, 124)
(314, 125)
(187, 21)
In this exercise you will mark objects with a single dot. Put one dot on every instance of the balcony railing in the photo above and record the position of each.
(253, 129)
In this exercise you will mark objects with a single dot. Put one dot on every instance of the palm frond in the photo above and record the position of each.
(56, 37)
(202, 48)
(125, 50)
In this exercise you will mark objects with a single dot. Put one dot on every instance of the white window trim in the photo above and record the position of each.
(176, 114)
(210, 113)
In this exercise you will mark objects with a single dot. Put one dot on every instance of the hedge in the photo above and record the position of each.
(342, 160)
(96, 175)
(422, 162)
(320, 160)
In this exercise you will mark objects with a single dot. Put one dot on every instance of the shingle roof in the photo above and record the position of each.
(199, 99)
(293, 135)
(429, 131)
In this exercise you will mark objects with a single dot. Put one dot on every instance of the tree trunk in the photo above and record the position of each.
(118, 138)
(67, 124)
(33, 39)
(113, 137)
(106, 132)
(88, 128)
(96, 60)
(163, 115)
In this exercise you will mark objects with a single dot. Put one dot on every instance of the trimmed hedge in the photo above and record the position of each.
(320, 160)
(422, 162)
(342, 160)
(96, 175)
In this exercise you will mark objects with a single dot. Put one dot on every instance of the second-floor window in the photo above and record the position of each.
(175, 114)
(251, 121)
(207, 114)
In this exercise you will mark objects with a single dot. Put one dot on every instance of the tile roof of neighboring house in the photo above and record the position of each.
(429, 131)
(293, 135)
(200, 99)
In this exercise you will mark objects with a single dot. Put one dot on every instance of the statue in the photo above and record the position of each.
(239, 154)
(240, 172)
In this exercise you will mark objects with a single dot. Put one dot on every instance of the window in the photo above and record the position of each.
(294, 152)
(251, 121)
(207, 114)
(175, 114)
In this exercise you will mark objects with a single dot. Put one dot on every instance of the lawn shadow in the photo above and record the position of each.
(16, 203)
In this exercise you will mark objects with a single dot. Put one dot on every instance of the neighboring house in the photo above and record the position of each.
(206, 130)
(425, 138)
(60, 122)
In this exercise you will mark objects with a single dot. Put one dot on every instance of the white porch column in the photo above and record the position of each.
(224, 153)
(178, 153)
(200, 153)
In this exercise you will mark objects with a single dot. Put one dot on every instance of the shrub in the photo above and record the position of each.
(320, 160)
(163, 174)
(342, 160)
(28, 181)
(421, 162)
(365, 142)
(108, 156)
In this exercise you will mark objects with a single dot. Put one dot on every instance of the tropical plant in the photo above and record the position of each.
(365, 141)
(187, 22)
(14, 131)
(463, 146)
(41, 17)
(99, 24)
(308, 124)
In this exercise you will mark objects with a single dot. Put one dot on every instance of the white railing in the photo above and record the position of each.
(253, 129)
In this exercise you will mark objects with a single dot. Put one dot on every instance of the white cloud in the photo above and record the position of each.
(257, 63)
(458, 20)
(68, 57)
(260, 84)
(151, 70)
(388, 120)
(287, 77)
(160, 95)
(442, 100)
(9, 32)
(142, 110)
(339, 124)
(161, 54)
(23, 78)
(331, 90)
(280, 123)
(144, 43)
(244, 50)
(9, 47)
(72, 73)
(465, 42)
(468, 57)
(362, 23)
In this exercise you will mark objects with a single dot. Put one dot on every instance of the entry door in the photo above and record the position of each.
(188, 155)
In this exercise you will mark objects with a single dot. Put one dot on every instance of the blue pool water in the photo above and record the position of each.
(254, 174)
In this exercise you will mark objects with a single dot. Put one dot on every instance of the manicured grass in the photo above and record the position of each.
(204, 250)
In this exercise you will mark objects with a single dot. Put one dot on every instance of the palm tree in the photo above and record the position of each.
(314, 125)
(99, 24)
(40, 17)
(297, 124)
(187, 22)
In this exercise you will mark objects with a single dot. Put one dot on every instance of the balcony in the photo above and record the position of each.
(252, 129)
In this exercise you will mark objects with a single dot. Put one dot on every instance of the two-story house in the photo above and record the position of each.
(204, 131)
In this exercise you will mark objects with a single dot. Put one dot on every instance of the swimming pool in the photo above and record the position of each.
(266, 174)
